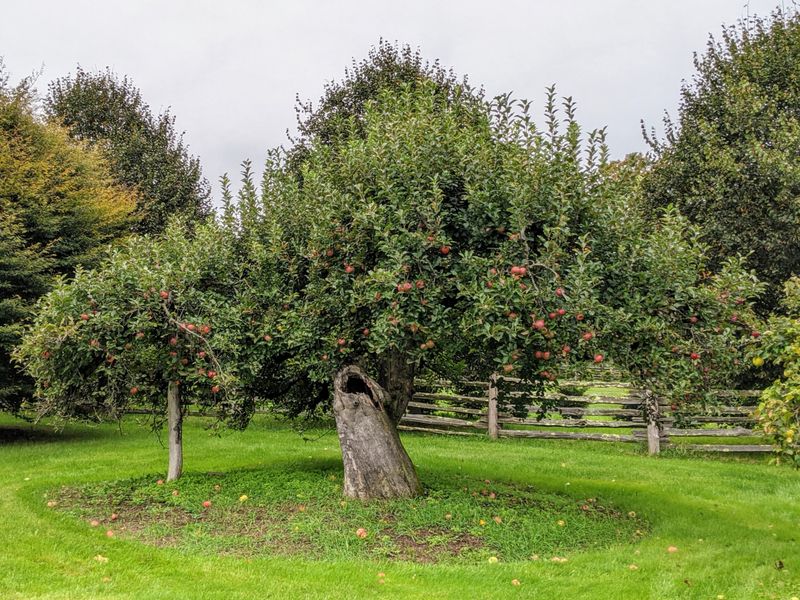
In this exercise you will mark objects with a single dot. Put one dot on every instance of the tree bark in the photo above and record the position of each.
(375, 463)
(397, 378)
(175, 427)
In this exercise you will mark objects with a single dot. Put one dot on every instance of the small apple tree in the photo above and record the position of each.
(157, 324)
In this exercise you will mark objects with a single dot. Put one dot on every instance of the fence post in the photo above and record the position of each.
(653, 425)
(491, 413)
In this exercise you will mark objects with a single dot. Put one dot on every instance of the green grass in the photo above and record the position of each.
(731, 520)
(291, 512)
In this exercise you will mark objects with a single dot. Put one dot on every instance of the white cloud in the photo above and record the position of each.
(230, 71)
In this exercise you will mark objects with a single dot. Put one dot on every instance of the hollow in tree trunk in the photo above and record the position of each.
(175, 427)
(375, 463)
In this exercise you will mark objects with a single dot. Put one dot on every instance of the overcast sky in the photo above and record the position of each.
(229, 70)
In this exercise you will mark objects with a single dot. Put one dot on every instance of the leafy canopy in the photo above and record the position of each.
(144, 150)
(466, 240)
(157, 310)
(729, 163)
(59, 207)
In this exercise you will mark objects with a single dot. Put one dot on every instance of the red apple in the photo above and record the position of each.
(349, 269)
(114, 516)
(546, 355)
(579, 317)
(587, 336)
(341, 341)
(215, 389)
(164, 294)
(445, 250)
(420, 284)
(552, 315)
(84, 317)
(202, 353)
(212, 374)
(207, 504)
(598, 358)
(173, 341)
(267, 338)
(560, 292)
(538, 324)
(694, 356)
(693, 319)
(365, 331)
(134, 390)
(508, 368)
(756, 334)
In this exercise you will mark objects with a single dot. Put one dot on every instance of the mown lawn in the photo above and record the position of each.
(735, 523)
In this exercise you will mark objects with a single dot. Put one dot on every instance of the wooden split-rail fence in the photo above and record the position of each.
(583, 410)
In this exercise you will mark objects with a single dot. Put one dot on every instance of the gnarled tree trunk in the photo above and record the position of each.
(375, 463)
(175, 430)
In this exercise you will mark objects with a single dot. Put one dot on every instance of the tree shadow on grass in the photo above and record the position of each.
(37, 434)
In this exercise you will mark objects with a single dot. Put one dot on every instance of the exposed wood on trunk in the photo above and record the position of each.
(375, 463)
(175, 427)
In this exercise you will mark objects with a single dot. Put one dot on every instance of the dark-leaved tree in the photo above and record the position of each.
(729, 163)
(145, 150)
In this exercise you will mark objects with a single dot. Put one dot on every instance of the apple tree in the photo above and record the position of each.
(455, 237)
(418, 244)
(157, 325)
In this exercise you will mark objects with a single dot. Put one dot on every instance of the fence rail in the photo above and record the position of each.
(617, 413)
